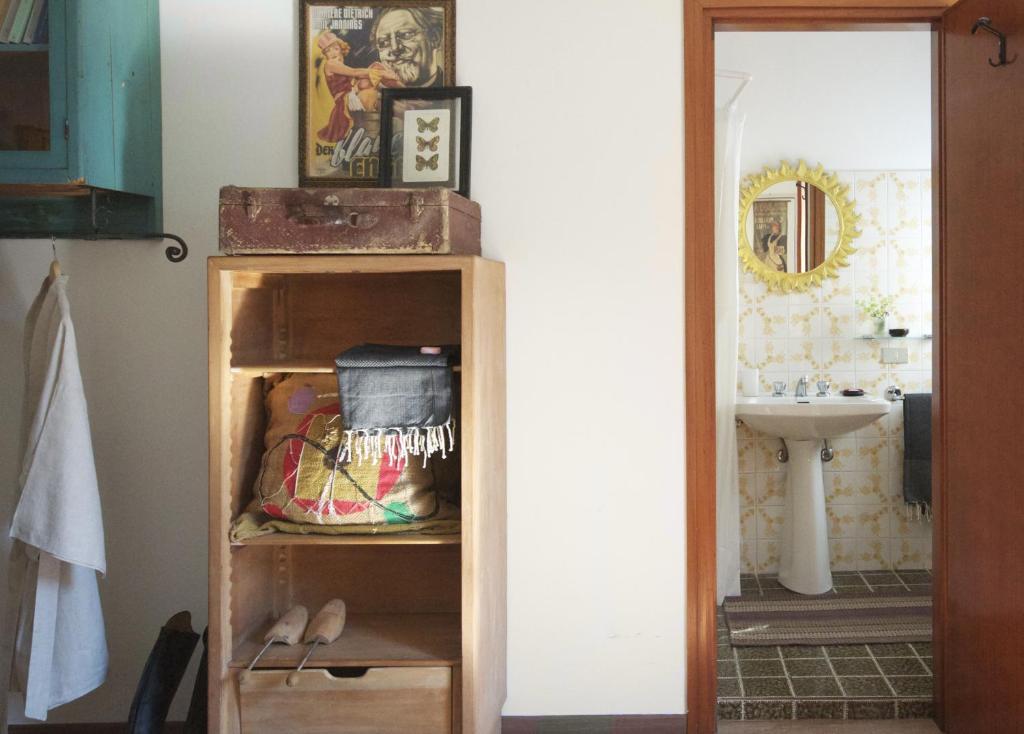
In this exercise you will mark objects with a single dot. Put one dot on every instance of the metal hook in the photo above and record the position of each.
(985, 24)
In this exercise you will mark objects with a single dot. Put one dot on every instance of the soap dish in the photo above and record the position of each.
(853, 392)
(898, 332)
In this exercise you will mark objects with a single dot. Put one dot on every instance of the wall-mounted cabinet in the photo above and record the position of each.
(80, 143)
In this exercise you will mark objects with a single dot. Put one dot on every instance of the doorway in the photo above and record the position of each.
(824, 586)
(703, 18)
(978, 271)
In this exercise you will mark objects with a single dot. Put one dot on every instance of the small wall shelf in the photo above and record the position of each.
(27, 207)
(871, 337)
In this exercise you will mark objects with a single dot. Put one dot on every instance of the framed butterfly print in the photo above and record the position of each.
(426, 138)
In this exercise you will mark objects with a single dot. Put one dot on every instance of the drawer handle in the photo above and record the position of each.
(310, 217)
(348, 672)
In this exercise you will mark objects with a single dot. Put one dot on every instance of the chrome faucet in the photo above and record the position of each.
(801, 387)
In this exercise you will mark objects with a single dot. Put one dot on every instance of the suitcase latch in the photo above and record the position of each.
(312, 217)
(415, 206)
(250, 204)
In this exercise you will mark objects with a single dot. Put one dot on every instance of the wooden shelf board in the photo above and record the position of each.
(46, 191)
(369, 640)
(297, 365)
(24, 47)
(278, 539)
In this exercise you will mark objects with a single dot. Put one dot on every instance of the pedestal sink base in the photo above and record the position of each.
(804, 423)
(804, 556)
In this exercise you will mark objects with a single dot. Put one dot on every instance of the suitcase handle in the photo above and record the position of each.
(308, 216)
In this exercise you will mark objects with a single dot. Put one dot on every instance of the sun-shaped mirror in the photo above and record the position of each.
(797, 226)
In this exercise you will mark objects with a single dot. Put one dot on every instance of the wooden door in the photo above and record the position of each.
(980, 276)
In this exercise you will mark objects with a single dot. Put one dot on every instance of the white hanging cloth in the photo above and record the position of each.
(60, 649)
(728, 141)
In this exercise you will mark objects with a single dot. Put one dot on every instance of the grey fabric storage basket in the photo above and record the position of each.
(382, 386)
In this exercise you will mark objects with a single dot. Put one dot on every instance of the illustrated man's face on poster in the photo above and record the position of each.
(407, 47)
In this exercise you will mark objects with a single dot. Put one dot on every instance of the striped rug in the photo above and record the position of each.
(829, 619)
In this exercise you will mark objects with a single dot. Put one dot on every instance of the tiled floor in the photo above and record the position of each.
(919, 726)
(886, 681)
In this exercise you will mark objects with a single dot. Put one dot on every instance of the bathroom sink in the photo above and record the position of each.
(817, 418)
(803, 543)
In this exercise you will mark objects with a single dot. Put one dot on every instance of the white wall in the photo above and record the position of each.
(850, 101)
(578, 167)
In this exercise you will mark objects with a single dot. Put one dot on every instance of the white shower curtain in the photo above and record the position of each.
(728, 139)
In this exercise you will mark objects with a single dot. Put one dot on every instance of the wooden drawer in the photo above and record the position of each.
(381, 701)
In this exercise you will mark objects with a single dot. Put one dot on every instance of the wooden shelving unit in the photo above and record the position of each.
(426, 625)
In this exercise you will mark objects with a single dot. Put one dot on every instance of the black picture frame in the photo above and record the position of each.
(462, 145)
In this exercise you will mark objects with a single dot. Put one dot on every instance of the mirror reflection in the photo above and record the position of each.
(793, 227)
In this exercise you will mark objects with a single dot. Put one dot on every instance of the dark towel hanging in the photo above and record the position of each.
(917, 451)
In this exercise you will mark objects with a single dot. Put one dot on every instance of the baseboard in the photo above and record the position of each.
(667, 724)
(171, 727)
(670, 724)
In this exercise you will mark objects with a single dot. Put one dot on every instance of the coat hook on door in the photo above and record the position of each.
(985, 24)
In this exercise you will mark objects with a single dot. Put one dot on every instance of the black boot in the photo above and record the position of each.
(163, 672)
(195, 723)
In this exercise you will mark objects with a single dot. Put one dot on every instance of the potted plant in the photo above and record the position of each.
(878, 308)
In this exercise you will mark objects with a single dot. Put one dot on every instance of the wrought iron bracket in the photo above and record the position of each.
(175, 253)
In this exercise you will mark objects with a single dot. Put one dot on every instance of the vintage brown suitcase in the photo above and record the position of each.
(355, 221)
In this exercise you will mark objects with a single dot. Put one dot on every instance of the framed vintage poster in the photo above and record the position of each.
(430, 138)
(772, 238)
(348, 54)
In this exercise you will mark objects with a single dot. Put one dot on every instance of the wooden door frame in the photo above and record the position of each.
(700, 19)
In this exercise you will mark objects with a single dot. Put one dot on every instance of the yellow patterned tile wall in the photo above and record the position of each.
(815, 334)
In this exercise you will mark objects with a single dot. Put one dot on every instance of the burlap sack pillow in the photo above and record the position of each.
(302, 480)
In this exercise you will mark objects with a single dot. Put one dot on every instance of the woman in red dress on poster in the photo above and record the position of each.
(352, 89)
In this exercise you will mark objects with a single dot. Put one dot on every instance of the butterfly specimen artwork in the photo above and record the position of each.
(430, 162)
(428, 125)
(429, 130)
(425, 134)
(424, 143)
